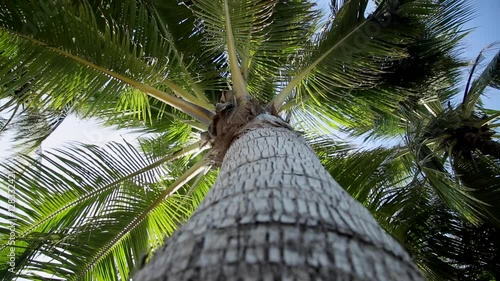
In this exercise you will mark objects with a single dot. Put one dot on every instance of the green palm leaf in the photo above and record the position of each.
(426, 228)
(90, 213)
(349, 36)
(413, 207)
(129, 43)
(481, 173)
(489, 77)
(113, 196)
(428, 68)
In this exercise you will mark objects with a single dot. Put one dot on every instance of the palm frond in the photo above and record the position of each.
(428, 69)
(45, 58)
(266, 37)
(454, 195)
(489, 77)
(32, 128)
(480, 173)
(410, 207)
(426, 228)
(278, 45)
(433, 165)
(114, 196)
(232, 24)
(349, 36)
(204, 71)
(367, 174)
(165, 143)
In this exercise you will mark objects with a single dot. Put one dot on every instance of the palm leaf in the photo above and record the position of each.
(278, 45)
(481, 174)
(363, 183)
(410, 206)
(329, 66)
(32, 128)
(79, 52)
(426, 228)
(489, 77)
(85, 191)
(228, 24)
(204, 71)
(429, 68)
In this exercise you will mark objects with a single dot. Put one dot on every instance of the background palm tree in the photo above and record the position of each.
(437, 191)
(170, 69)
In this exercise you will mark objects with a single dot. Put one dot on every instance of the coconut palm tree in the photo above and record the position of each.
(197, 74)
(444, 244)
(437, 192)
(458, 151)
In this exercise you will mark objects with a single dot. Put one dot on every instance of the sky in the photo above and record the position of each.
(486, 26)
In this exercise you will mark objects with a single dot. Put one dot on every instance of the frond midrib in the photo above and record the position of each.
(179, 182)
(196, 111)
(287, 91)
(95, 193)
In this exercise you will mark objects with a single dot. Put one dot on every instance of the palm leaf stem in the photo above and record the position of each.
(180, 153)
(195, 111)
(485, 79)
(198, 126)
(197, 180)
(278, 101)
(181, 181)
(290, 104)
(402, 151)
(491, 118)
(245, 58)
(186, 95)
(10, 118)
(430, 109)
(238, 81)
(494, 126)
(194, 124)
(200, 98)
(469, 79)
(245, 62)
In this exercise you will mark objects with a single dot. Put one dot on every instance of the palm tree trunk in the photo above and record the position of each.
(276, 214)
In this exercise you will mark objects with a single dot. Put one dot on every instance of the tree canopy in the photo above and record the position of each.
(162, 68)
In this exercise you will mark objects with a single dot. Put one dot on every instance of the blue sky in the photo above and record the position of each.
(487, 30)
(486, 24)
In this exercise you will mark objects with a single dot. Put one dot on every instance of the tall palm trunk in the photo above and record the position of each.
(276, 214)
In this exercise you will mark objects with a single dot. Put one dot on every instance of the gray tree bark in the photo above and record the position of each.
(276, 214)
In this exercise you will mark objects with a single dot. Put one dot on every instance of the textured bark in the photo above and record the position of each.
(276, 214)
